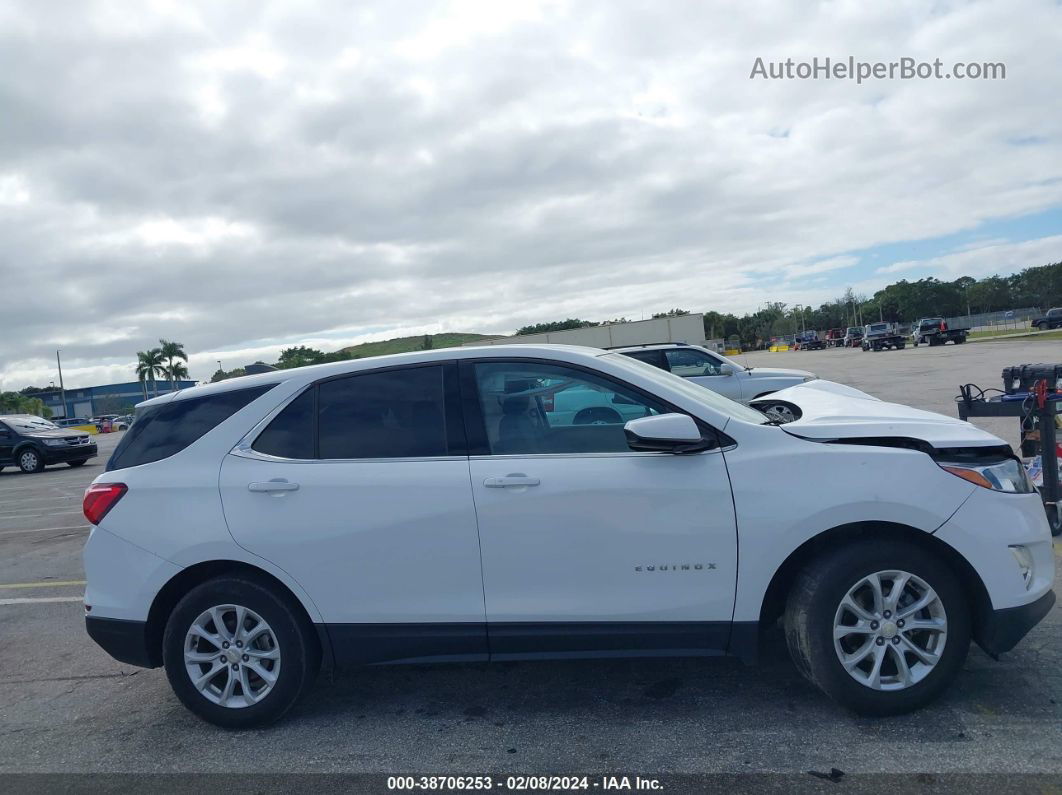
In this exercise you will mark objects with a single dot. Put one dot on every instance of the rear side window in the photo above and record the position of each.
(162, 431)
(655, 358)
(290, 434)
(388, 414)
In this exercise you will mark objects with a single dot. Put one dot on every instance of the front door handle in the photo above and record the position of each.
(509, 481)
(273, 485)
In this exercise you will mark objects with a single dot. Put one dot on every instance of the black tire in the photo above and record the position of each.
(77, 463)
(816, 596)
(29, 460)
(900, 347)
(597, 415)
(300, 654)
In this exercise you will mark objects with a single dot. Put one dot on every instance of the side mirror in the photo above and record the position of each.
(729, 369)
(665, 433)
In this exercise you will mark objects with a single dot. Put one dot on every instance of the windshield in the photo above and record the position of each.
(698, 393)
(29, 424)
(854, 330)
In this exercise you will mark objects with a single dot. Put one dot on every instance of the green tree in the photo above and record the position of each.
(222, 375)
(556, 325)
(149, 365)
(171, 352)
(175, 371)
(17, 403)
(427, 342)
(299, 356)
(671, 313)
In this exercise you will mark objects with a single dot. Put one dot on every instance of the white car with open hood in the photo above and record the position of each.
(717, 372)
(536, 501)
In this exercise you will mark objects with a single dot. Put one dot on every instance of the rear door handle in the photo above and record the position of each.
(273, 485)
(509, 481)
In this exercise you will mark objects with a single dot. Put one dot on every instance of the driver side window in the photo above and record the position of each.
(530, 408)
(687, 363)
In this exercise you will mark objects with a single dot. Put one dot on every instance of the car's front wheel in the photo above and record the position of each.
(882, 626)
(238, 654)
(29, 460)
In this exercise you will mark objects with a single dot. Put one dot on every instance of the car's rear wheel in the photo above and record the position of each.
(882, 626)
(238, 654)
(77, 463)
(29, 460)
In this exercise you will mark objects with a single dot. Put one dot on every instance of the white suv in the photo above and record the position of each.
(716, 372)
(455, 505)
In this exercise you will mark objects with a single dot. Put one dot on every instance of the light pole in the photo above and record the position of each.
(62, 389)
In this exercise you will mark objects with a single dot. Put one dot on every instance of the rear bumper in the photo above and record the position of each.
(60, 455)
(126, 641)
(1004, 628)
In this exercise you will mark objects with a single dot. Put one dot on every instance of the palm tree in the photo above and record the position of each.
(149, 365)
(176, 371)
(171, 352)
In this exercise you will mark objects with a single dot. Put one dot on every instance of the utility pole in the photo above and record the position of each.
(62, 389)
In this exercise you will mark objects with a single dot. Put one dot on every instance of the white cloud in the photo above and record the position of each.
(243, 176)
(988, 259)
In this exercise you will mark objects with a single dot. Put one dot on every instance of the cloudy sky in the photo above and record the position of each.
(242, 176)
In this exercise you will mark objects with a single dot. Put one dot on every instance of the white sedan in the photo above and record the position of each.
(718, 373)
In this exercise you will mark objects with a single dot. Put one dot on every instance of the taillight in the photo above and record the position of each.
(100, 498)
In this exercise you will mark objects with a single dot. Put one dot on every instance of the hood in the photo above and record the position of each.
(56, 433)
(777, 372)
(834, 411)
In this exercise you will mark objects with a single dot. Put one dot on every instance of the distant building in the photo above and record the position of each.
(91, 401)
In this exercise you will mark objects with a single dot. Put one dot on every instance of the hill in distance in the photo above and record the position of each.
(407, 344)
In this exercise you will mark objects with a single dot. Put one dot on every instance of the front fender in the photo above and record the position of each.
(789, 490)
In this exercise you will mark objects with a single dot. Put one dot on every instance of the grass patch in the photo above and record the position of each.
(407, 344)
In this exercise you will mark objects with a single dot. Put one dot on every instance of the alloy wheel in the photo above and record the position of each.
(889, 630)
(780, 411)
(232, 656)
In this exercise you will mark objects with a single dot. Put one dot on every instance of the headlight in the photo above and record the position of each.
(1007, 475)
(55, 442)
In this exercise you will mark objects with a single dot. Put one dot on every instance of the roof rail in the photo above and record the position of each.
(644, 345)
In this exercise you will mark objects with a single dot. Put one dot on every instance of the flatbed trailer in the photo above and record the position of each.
(935, 331)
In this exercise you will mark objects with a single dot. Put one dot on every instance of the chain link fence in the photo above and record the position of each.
(1004, 320)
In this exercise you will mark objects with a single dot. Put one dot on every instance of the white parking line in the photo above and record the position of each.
(45, 529)
(50, 498)
(39, 515)
(25, 600)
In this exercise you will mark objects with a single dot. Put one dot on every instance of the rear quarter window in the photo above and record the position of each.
(165, 430)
